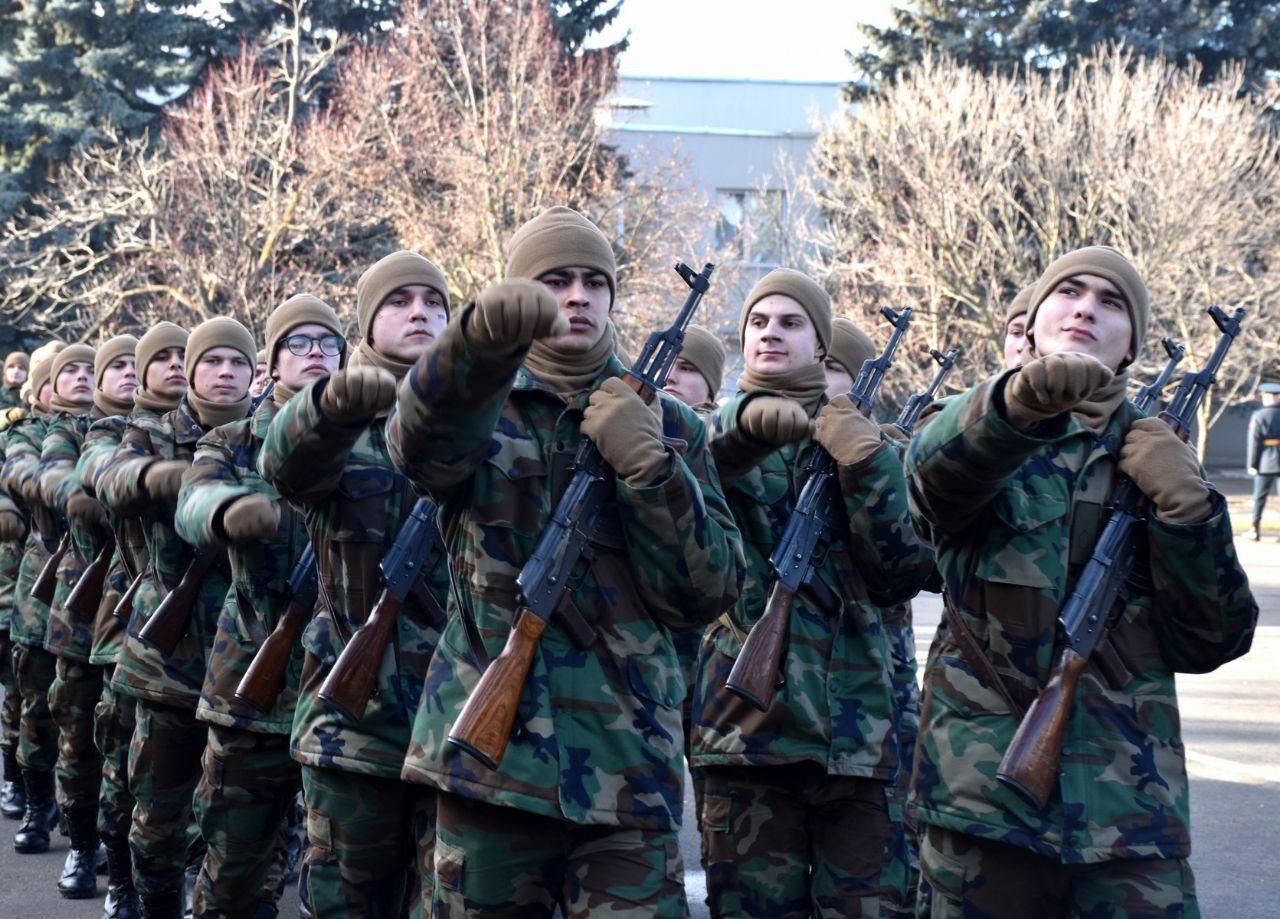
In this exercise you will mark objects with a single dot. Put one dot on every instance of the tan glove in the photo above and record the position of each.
(85, 512)
(894, 433)
(12, 529)
(357, 394)
(627, 432)
(162, 479)
(30, 490)
(17, 413)
(1166, 470)
(774, 420)
(847, 434)
(513, 314)
(251, 518)
(1051, 385)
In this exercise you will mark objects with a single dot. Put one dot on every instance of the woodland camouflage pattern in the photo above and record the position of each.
(999, 504)
(30, 623)
(597, 737)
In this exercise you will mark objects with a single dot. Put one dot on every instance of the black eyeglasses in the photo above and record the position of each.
(301, 344)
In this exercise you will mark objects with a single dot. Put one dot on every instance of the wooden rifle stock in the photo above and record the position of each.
(756, 672)
(262, 682)
(82, 602)
(1031, 764)
(350, 683)
(484, 724)
(124, 608)
(47, 582)
(166, 626)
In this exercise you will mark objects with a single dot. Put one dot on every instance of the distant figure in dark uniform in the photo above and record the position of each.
(1264, 452)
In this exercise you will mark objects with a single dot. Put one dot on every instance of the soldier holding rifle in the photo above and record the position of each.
(1013, 479)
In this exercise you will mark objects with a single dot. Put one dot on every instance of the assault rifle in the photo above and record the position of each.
(166, 626)
(756, 672)
(261, 684)
(47, 581)
(350, 683)
(124, 607)
(1031, 763)
(484, 725)
(82, 602)
(918, 402)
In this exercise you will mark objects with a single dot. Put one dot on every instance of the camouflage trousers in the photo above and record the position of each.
(76, 689)
(363, 835)
(114, 719)
(794, 841)
(246, 790)
(966, 877)
(11, 709)
(164, 768)
(501, 863)
(34, 669)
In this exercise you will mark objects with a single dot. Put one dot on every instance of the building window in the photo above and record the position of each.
(749, 228)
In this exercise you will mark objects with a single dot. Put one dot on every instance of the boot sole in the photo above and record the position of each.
(77, 894)
(31, 850)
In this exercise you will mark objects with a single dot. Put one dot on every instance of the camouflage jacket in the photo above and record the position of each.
(130, 557)
(141, 670)
(11, 397)
(597, 736)
(23, 442)
(226, 468)
(10, 555)
(354, 503)
(1013, 516)
(836, 705)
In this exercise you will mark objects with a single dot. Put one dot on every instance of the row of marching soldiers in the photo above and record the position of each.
(155, 449)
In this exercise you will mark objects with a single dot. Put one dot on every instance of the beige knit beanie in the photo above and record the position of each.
(300, 309)
(390, 273)
(159, 337)
(17, 359)
(705, 352)
(561, 238)
(851, 346)
(112, 348)
(1105, 262)
(799, 288)
(1018, 305)
(219, 332)
(77, 353)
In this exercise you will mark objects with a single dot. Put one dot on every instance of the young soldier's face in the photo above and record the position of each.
(407, 321)
(75, 382)
(1085, 314)
(166, 375)
(839, 380)
(320, 348)
(1015, 342)
(120, 379)
(222, 375)
(687, 383)
(779, 336)
(15, 375)
(260, 379)
(584, 298)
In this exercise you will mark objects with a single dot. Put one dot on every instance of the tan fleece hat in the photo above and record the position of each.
(388, 274)
(17, 359)
(800, 288)
(560, 237)
(1105, 262)
(159, 337)
(1018, 305)
(41, 364)
(261, 358)
(705, 352)
(851, 346)
(112, 348)
(300, 309)
(219, 332)
(77, 353)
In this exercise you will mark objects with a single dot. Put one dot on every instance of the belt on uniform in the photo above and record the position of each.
(1271, 441)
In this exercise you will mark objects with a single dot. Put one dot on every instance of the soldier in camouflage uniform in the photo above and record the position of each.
(33, 666)
(142, 479)
(1015, 328)
(249, 781)
(326, 452)
(1010, 478)
(584, 809)
(15, 374)
(796, 818)
(13, 528)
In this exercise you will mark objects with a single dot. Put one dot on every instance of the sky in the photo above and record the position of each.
(752, 39)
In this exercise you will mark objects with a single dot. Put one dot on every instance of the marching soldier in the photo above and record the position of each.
(261, 375)
(13, 529)
(1015, 328)
(1010, 478)
(817, 767)
(326, 452)
(142, 480)
(15, 374)
(249, 782)
(584, 808)
(1263, 448)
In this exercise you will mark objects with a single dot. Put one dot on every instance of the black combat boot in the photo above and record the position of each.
(79, 879)
(1255, 531)
(163, 905)
(122, 898)
(41, 815)
(13, 795)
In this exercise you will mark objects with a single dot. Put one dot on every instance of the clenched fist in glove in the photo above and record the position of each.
(357, 394)
(162, 479)
(12, 529)
(627, 432)
(1051, 385)
(1166, 470)
(774, 420)
(513, 314)
(253, 517)
(85, 512)
(847, 434)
